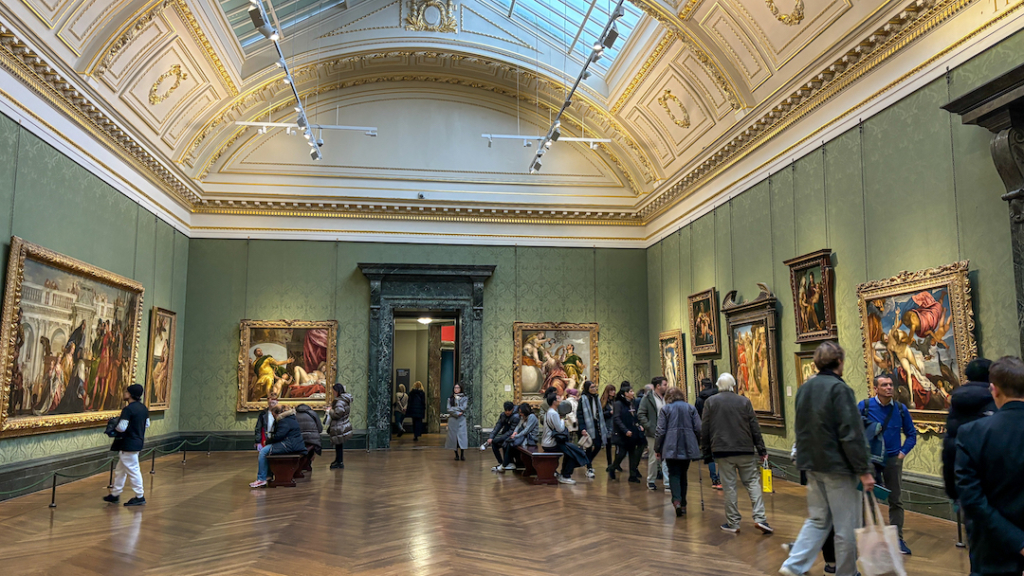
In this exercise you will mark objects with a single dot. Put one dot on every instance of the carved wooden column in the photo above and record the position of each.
(998, 106)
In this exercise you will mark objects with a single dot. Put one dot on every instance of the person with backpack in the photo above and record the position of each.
(887, 450)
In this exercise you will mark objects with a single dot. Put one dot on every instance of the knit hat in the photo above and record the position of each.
(135, 391)
(572, 392)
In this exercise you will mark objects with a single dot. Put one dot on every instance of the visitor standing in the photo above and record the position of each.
(458, 428)
(608, 411)
(989, 468)
(417, 409)
(592, 423)
(676, 442)
(572, 398)
(732, 437)
(340, 427)
(708, 389)
(401, 406)
(968, 402)
(895, 422)
(647, 414)
(131, 435)
(626, 434)
(831, 448)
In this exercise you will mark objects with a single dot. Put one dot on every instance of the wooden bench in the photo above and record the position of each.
(306, 464)
(283, 468)
(541, 465)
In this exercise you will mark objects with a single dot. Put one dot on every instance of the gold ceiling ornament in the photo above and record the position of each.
(128, 35)
(48, 82)
(793, 18)
(416, 21)
(684, 121)
(645, 69)
(179, 75)
(688, 9)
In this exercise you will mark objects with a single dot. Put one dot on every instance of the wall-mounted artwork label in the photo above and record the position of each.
(294, 359)
(553, 354)
(69, 340)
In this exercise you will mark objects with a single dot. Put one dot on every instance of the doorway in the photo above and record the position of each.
(425, 357)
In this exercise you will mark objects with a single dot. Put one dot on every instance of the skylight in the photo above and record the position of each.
(561, 21)
(289, 13)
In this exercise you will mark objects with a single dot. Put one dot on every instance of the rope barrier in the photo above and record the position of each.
(788, 476)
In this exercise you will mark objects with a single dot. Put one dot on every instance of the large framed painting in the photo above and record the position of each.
(805, 367)
(812, 282)
(673, 358)
(703, 369)
(705, 334)
(754, 353)
(69, 340)
(163, 328)
(917, 328)
(555, 354)
(295, 359)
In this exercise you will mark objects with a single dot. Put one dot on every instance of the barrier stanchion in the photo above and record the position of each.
(700, 481)
(110, 484)
(184, 454)
(53, 493)
(959, 529)
(152, 466)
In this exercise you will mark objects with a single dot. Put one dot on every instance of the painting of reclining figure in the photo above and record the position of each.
(296, 360)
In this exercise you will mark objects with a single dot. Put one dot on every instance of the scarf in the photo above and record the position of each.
(592, 411)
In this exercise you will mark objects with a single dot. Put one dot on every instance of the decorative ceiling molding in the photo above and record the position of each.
(129, 33)
(40, 76)
(416, 21)
(645, 69)
(793, 18)
(345, 29)
(688, 9)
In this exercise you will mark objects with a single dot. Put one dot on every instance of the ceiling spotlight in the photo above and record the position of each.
(542, 150)
(611, 36)
(549, 143)
(593, 145)
(287, 79)
(319, 142)
(301, 120)
(371, 134)
(533, 170)
(261, 130)
(315, 154)
(555, 135)
(490, 142)
(273, 35)
(256, 15)
(586, 74)
(596, 55)
(290, 131)
(527, 144)
(536, 164)
(425, 320)
(254, 2)
(619, 12)
(280, 63)
(307, 134)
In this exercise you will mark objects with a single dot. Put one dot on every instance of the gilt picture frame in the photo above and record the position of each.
(705, 331)
(703, 369)
(754, 353)
(558, 354)
(673, 358)
(805, 367)
(296, 359)
(812, 281)
(68, 343)
(918, 329)
(160, 359)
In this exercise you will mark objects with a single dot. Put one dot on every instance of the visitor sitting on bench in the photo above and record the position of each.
(556, 439)
(286, 439)
(501, 433)
(309, 424)
(525, 434)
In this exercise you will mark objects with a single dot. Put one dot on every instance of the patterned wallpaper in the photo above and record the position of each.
(230, 280)
(907, 190)
(101, 226)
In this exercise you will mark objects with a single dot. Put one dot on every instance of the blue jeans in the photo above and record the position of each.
(714, 472)
(264, 467)
(833, 501)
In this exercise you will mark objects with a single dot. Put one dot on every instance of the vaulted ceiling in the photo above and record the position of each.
(690, 88)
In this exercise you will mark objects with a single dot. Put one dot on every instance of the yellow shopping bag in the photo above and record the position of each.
(766, 477)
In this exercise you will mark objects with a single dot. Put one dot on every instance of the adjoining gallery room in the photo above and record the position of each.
(506, 287)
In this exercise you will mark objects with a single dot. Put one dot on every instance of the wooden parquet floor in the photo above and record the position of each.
(406, 512)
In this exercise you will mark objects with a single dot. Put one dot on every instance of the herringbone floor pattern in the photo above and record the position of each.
(406, 512)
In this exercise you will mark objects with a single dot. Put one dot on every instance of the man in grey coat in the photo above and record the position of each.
(647, 414)
(732, 438)
(830, 447)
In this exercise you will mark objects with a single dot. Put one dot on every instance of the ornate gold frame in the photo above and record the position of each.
(173, 338)
(517, 357)
(20, 251)
(797, 358)
(954, 278)
(712, 372)
(823, 259)
(677, 335)
(716, 327)
(246, 326)
(759, 310)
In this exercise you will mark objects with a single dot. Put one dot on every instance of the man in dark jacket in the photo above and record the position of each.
(969, 402)
(310, 426)
(131, 434)
(265, 422)
(831, 448)
(287, 439)
(626, 434)
(731, 435)
(989, 466)
(501, 433)
(708, 389)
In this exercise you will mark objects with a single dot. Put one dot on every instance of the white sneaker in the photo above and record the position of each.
(510, 467)
(565, 480)
(496, 468)
(590, 473)
(783, 571)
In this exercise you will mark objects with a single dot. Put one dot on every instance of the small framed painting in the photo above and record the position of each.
(810, 277)
(163, 327)
(703, 369)
(673, 359)
(805, 368)
(705, 334)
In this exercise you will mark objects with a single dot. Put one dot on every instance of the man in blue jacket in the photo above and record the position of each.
(989, 468)
(896, 422)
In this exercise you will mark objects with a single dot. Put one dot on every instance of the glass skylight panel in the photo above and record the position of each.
(289, 12)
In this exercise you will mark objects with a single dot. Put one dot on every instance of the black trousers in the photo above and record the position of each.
(594, 450)
(496, 447)
(677, 479)
(828, 549)
(339, 453)
(568, 464)
(634, 452)
(417, 427)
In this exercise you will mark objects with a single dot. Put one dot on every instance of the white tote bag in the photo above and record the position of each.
(878, 544)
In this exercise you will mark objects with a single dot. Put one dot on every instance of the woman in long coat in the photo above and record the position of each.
(677, 443)
(417, 409)
(341, 427)
(458, 428)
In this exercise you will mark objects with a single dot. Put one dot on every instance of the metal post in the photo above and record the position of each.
(53, 492)
(700, 481)
(959, 529)
(184, 454)
(152, 466)
(111, 484)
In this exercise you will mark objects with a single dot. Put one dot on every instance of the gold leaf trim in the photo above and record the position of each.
(664, 99)
(416, 20)
(154, 97)
(793, 18)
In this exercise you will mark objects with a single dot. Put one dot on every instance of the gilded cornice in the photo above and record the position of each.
(891, 38)
(675, 25)
(141, 22)
(645, 69)
(44, 79)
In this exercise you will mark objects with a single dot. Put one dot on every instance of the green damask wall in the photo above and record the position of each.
(48, 199)
(909, 189)
(234, 279)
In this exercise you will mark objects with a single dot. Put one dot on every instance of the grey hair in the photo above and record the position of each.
(726, 383)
